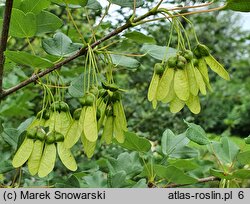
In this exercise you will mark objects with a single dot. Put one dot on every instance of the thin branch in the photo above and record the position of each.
(4, 39)
(84, 50)
(81, 52)
(203, 180)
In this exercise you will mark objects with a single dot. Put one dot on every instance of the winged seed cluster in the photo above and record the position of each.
(56, 131)
(183, 77)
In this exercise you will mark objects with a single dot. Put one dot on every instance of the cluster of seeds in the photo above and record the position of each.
(100, 108)
(183, 77)
(55, 131)
(45, 138)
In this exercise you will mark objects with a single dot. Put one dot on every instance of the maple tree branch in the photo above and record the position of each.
(4, 39)
(202, 180)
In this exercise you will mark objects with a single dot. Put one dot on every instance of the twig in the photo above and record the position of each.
(81, 52)
(203, 180)
(4, 39)
(84, 50)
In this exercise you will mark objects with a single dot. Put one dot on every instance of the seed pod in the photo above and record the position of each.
(164, 84)
(50, 139)
(176, 105)
(193, 86)
(188, 54)
(89, 99)
(152, 90)
(90, 124)
(81, 119)
(88, 147)
(200, 81)
(35, 157)
(77, 114)
(31, 133)
(118, 131)
(64, 106)
(108, 129)
(48, 159)
(102, 107)
(40, 134)
(193, 103)
(202, 66)
(172, 62)
(66, 157)
(59, 137)
(217, 67)
(95, 91)
(44, 114)
(73, 134)
(62, 122)
(180, 65)
(197, 53)
(55, 106)
(171, 94)
(23, 153)
(181, 59)
(112, 87)
(195, 62)
(203, 49)
(158, 69)
(120, 115)
(181, 86)
(154, 103)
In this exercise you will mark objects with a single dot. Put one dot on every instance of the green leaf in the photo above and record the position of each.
(34, 6)
(242, 174)
(93, 4)
(47, 22)
(173, 175)
(142, 183)
(119, 60)
(217, 67)
(135, 143)
(196, 134)
(72, 182)
(140, 37)
(5, 166)
(247, 140)
(10, 135)
(118, 180)
(220, 174)
(184, 164)
(71, 3)
(129, 163)
(225, 150)
(60, 45)
(95, 180)
(238, 5)
(185, 152)
(76, 86)
(171, 143)
(158, 52)
(244, 157)
(22, 25)
(127, 3)
(24, 58)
